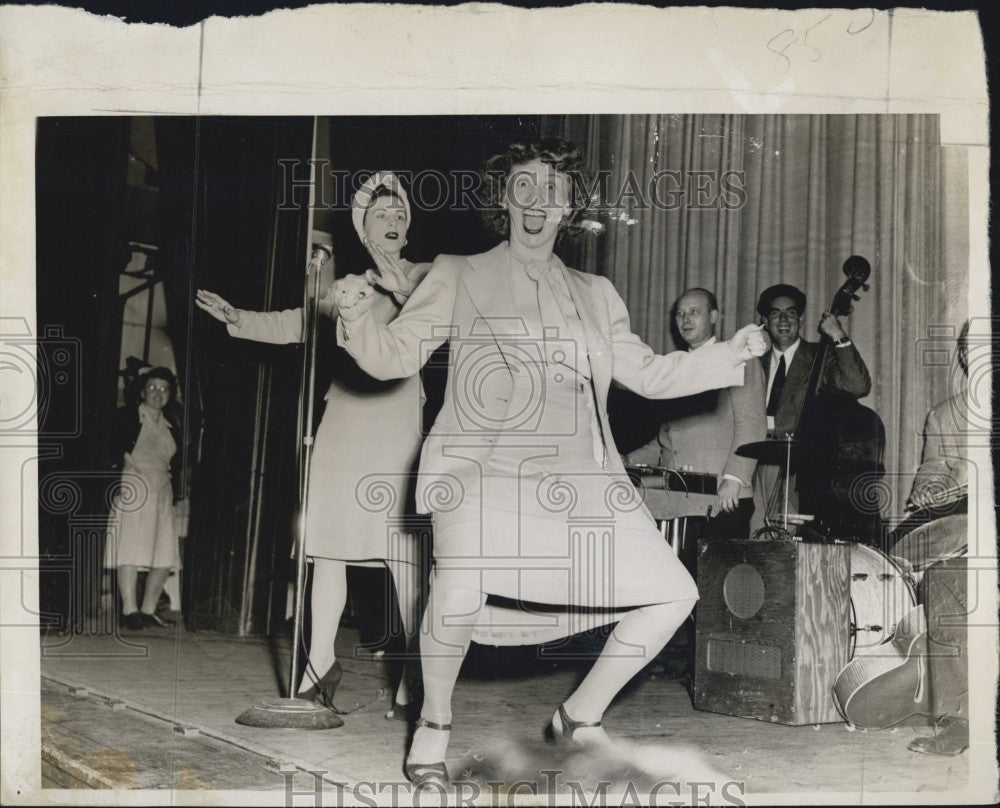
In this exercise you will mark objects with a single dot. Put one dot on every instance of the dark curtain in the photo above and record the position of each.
(81, 246)
(238, 243)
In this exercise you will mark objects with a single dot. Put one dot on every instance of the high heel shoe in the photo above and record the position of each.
(426, 774)
(569, 727)
(408, 712)
(323, 691)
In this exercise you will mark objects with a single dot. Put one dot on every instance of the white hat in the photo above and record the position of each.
(366, 195)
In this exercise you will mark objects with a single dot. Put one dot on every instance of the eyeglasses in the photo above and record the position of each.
(157, 388)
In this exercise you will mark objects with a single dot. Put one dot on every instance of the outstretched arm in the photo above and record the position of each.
(278, 327)
(680, 373)
(400, 348)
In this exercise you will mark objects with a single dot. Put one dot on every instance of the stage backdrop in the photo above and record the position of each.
(738, 203)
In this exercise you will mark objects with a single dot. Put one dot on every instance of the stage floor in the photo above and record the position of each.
(156, 710)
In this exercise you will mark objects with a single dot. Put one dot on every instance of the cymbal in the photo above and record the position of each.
(774, 450)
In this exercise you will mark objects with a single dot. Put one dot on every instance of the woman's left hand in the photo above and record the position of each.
(390, 275)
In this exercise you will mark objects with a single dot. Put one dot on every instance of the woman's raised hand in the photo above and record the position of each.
(217, 307)
(390, 275)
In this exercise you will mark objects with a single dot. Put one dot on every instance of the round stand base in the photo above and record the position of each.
(277, 713)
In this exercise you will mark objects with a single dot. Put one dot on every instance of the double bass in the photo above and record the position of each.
(839, 473)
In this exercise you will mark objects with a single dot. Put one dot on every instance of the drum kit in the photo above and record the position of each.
(883, 586)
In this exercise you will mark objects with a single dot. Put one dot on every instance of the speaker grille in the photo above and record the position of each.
(744, 658)
(743, 590)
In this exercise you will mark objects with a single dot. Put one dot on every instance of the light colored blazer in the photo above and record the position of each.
(470, 302)
(704, 431)
(945, 459)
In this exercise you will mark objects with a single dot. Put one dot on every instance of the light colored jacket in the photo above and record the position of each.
(470, 301)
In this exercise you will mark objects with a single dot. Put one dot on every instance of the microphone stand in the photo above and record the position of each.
(292, 712)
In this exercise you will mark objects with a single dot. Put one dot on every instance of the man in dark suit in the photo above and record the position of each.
(702, 432)
(787, 367)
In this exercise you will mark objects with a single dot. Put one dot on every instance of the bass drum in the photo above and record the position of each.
(881, 595)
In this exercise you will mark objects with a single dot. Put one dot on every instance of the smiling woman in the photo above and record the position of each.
(521, 451)
(141, 533)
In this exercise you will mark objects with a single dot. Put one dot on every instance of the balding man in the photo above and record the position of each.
(702, 432)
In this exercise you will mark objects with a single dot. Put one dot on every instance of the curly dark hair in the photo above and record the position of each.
(562, 155)
(159, 373)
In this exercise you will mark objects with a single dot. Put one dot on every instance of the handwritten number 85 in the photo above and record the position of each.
(783, 40)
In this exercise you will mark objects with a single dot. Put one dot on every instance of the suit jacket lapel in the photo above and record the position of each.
(593, 329)
(801, 363)
(492, 293)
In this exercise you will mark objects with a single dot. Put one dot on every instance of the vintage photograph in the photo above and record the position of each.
(411, 441)
(393, 427)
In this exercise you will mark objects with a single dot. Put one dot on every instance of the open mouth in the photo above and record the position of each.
(393, 236)
(533, 221)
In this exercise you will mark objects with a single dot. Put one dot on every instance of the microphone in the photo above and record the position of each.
(322, 250)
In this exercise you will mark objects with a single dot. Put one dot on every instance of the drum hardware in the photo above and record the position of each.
(775, 452)
(674, 531)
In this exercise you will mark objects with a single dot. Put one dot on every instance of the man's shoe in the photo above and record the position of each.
(951, 738)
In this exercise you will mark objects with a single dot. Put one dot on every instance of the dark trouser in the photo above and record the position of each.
(945, 595)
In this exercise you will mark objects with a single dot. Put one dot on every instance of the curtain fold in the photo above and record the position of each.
(737, 203)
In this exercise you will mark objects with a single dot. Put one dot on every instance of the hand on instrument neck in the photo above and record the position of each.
(830, 326)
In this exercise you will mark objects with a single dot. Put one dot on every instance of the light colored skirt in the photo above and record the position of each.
(363, 475)
(547, 525)
(141, 525)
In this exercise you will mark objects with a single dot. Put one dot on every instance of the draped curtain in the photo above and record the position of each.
(738, 203)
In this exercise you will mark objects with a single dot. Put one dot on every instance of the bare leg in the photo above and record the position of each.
(637, 638)
(405, 576)
(155, 580)
(444, 641)
(173, 589)
(128, 577)
(329, 596)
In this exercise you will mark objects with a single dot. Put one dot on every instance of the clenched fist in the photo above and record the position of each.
(748, 342)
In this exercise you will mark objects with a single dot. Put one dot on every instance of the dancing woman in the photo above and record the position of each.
(523, 431)
(369, 427)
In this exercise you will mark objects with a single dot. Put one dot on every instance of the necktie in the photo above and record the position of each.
(776, 387)
(548, 306)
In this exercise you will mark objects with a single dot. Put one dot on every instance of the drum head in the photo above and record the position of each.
(881, 595)
(947, 537)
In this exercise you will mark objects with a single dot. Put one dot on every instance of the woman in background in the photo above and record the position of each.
(366, 446)
(147, 440)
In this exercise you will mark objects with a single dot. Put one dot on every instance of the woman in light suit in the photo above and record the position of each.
(529, 496)
(366, 446)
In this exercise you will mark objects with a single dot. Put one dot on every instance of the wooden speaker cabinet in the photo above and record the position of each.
(772, 629)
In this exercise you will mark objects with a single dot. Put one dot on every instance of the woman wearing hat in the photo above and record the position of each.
(142, 535)
(366, 446)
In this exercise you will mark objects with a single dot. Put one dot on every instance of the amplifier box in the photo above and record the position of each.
(772, 629)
